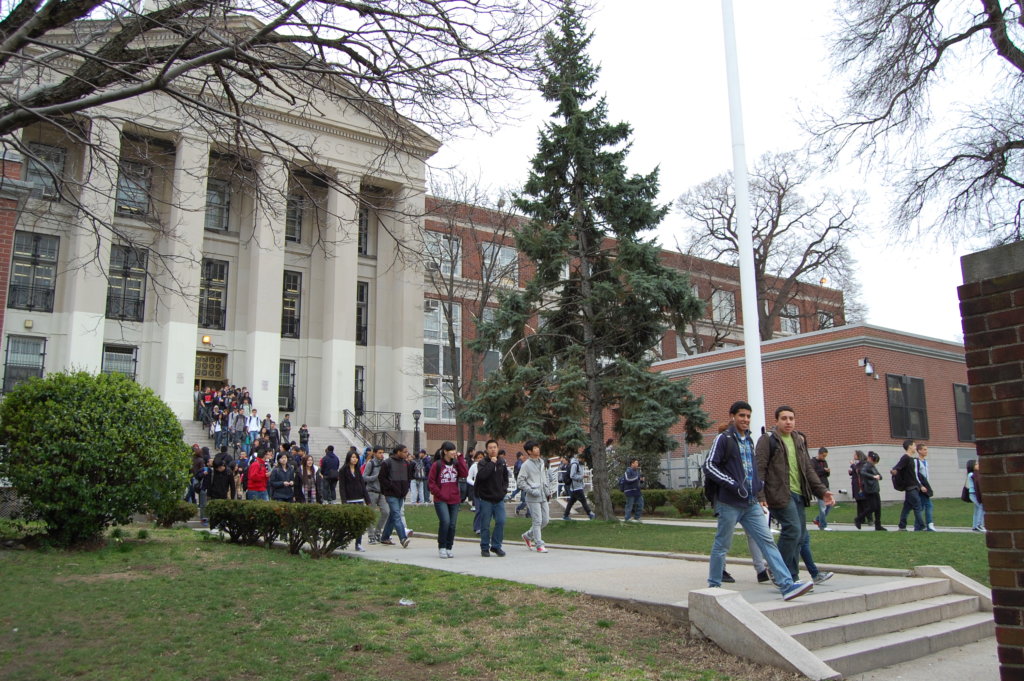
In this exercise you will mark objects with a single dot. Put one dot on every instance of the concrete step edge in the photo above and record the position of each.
(856, 599)
(902, 646)
(820, 634)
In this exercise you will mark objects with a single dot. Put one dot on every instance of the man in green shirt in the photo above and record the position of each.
(789, 482)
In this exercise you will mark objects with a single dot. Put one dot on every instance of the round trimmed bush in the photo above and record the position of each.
(88, 451)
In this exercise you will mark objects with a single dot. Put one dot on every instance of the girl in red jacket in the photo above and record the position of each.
(256, 476)
(443, 481)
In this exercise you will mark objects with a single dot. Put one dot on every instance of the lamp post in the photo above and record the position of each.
(416, 414)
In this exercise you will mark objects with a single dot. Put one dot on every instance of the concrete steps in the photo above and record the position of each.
(865, 628)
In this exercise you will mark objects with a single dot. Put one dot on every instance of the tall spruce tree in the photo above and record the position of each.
(576, 341)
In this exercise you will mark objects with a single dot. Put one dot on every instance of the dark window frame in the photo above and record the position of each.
(359, 398)
(133, 194)
(33, 262)
(291, 304)
(965, 416)
(362, 313)
(118, 350)
(901, 390)
(44, 170)
(286, 390)
(127, 264)
(217, 216)
(213, 294)
(294, 214)
(16, 373)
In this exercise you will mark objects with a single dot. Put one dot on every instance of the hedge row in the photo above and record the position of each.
(689, 502)
(320, 528)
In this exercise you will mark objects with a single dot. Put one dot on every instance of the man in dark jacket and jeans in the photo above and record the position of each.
(789, 480)
(491, 487)
(731, 466)
(395, 474)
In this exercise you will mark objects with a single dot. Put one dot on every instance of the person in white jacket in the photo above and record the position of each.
(533, 480)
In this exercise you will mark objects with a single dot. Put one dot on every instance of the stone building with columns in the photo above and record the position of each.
(153, 246)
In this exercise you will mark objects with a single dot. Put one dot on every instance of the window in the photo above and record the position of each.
(443, 253)
(126, 283)
(134, 183)
(44, 170)
(723, 307)
(825, 319)
(218, 205)
(492, 357)
(362, 312)
(25, 357)
(295, 209)
(286, 386)
(964, 415)
(439, 358)
(500, 264)
(213, 294)
(291, 304)
(908, 416)
(119, 360)
(33, 272)
(438, 399)
(789, 319)
(364, 230)
(360, 394)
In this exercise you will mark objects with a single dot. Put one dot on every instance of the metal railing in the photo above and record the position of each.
(212, 316)
(373, 427)
(30, 297)
(125, 309)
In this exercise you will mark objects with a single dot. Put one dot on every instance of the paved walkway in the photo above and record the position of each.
(663, 578)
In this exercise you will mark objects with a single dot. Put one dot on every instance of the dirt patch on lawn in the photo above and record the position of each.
(132, 573)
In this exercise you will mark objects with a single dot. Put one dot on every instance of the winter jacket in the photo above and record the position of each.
(533, 480)
(256, 480)
(395, 476)
(330, 465)
(725, 466)
(576, 470)
(632, 482)
(773, 468)
(491, 481)
(222, 484)
(868, 472)
(352, 486)
(443, 480)
(907, 473)
(279, 491)
(371, 475)
(822, 470)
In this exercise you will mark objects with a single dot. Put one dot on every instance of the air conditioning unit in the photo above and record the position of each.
(430, 305)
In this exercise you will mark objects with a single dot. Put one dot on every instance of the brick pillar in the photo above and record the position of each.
(13, 192)
(992, 309)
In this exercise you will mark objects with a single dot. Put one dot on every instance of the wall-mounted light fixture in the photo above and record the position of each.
(29, 323)
(869, 369)
(207, 340)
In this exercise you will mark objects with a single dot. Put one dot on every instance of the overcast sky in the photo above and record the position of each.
(663, 71)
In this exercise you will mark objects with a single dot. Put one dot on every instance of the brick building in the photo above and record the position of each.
(853, 387)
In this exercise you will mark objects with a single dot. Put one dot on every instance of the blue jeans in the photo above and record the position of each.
(823, 514)
(421, 494)
(755, 523)
(926, 506)
(634, 506)
(912, 500)
(447, 516)
(793, 520)
(979, 513)
(394, 518)
(486, 510)
(263, 496)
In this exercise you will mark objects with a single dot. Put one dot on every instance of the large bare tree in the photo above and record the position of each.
(469, 256)
(956, 162)
(798, 239)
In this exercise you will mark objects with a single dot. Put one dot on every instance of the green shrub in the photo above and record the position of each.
(653, 498)
(19, 529)
(322, 529)
(90, 451)
(143, 534)
(689, 501)
(174, 511)
(617, 497)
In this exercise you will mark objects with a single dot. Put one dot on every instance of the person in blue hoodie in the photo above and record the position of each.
(733, 470)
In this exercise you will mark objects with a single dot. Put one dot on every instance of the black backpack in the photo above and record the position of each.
(710, 484)
(563, 475)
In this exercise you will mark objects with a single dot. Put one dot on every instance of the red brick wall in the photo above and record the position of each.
(993, 319)
(8, 221)
(835, 402)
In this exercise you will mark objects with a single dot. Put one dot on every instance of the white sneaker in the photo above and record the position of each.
(408, 532)
(931, 526)
(542, 549)
(360, 549)
(451, 554)
(441, 553)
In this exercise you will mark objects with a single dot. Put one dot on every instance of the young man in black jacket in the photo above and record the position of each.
(906, 474)
(491, 487)
(395, 476)
(731, 466)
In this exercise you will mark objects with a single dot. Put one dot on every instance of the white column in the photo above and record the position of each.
(178, 275)
(87, 251)
(263, 254)
(337, 388)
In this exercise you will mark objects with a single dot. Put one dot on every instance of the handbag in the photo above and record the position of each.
(965, 494)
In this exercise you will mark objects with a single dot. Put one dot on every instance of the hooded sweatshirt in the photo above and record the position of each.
(443, 480)
(533, 479)
(395, 475)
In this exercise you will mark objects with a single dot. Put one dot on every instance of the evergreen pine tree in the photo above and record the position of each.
(575, 341)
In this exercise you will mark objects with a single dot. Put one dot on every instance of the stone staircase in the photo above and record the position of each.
(835, 634)
(319, 437)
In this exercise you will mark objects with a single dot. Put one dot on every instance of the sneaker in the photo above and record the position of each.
(823, 576)
(527, 541)
(386, 542)
(542, 549)
(408, 533)
(441, 553)
(405, 543)
(931, 526)
(593, 515)
(856, 523)
(828, 529)
(565, 517)
(902, 529)
(500, 553)
(360, 549)
(881, 529)
(451, 554)
(371, 540)
(796, 590)
(762, 577)
(817, 524)
(727, 578)
(485, 553)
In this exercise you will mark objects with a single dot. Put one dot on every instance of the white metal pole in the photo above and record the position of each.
(745, 239)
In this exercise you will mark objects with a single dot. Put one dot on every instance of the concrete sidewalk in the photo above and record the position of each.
(659, 583)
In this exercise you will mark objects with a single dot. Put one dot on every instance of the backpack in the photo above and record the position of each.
(710, 484)
(622, 483)
(563, 475)
(897, 483)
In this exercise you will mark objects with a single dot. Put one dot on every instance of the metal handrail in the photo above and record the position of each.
(365, 427)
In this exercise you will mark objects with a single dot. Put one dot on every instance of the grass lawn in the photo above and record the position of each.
(964, 551)
(176, 606)
(947, 513)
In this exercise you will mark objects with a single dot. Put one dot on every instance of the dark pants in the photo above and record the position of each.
(874, 507)
(574, 496)
(793, 521)
(912, 502)
(447, 516)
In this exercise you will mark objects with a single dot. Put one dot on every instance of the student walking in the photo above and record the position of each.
(491, 487)
(443, 480)
(533, 480)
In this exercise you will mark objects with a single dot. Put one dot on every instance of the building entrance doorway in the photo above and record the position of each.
(211, 370)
